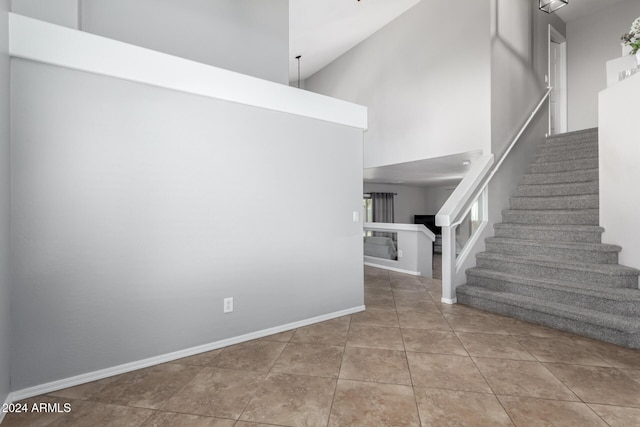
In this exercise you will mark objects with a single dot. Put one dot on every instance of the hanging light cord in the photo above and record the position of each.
(298, 58)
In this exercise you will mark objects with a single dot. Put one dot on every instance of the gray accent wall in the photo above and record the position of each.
(247, 36)
(5, 206)
(425, 78)
(591, 42)
(139, 209)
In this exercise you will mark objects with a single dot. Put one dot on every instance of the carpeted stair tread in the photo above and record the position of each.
(614, 300)
(605, 269)
(625, 324)
(563, 189)
(559, 233)
(564, 166)
(580, 201)
(567, 154)
(600, 247)
(574, 133)
(583, 175)
(552, 217)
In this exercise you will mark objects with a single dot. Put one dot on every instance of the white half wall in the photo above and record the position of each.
(247, 36)
(409, 201)
(426, 85)
(138, 209)
(5, 207)
(591, 42)
(619, 173)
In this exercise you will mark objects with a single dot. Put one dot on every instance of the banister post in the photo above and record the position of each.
(448, 264)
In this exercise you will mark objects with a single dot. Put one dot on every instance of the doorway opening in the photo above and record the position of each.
(557, 80)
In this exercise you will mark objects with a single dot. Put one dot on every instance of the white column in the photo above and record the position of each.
(448, 264)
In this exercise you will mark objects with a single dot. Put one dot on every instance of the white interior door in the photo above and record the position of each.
(558, 82)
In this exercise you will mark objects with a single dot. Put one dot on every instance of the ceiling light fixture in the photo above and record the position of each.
(551, 6)
(466, 163)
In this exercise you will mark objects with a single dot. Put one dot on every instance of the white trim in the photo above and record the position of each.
(66, 47)
(128, 367)
(557, 37)
(10, 399)
(448, 300)
(471, 243)
(397, 270)
(389, 226)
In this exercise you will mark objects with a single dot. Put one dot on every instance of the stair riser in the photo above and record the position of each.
(569, 138)
(546, 150)
(558, 189)
(563, 156)
(554, 273)
(561, 296)
(561, 178)
(581, 328)
(558, 236)
(566, 166)
(589, 201)
(598, 257)
(527, 217)
(575, 144)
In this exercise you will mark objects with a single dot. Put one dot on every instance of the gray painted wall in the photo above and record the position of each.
(410, 200)
(591, 42)
(247, 36)
(436, 197)
(5, 200)
(425, 78)
(138, 209)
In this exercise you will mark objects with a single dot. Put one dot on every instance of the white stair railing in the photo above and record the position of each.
(470, 194)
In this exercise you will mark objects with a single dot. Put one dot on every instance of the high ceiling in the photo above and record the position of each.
(580, 8)
(322, 30)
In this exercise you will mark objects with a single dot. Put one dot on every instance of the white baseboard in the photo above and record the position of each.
(448, 300)
(397, 270)
(8, 400)
(128, 367)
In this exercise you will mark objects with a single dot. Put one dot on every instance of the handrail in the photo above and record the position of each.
(383, 226)
(483, 181)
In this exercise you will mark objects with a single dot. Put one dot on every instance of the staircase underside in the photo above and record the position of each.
(546, 263)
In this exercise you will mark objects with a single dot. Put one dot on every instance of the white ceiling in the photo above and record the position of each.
(423, 173)
(580, 8)
(322, 30)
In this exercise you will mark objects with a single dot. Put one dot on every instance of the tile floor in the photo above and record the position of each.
(406, 361)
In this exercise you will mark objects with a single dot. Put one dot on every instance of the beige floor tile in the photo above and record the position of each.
(373, 317)
(421, 306)
(617, 416)
(412, 295)
(375, 337)
(280, 337)
(310, 359)
(521, 328)
(459, 408)
(420, 320)
(103, 415)
(84, 391)
(460, 309)
(633, 373)
(405, 284)
(367, 364)
(250, 356)
(377, 283)
(379, 291)
(595, 384)
(494, 346)
(530, 412)
(429, 341)
(249, 424)
(616, 356)
(171, 419)
(560, 350)
(522, 378)
(202, 359)
(331, 332)
(380, 302)
(475, 324)
(147, 388)
(215, 392)
(26, 417)
(292, 400)
(445, 371)
(370, 404)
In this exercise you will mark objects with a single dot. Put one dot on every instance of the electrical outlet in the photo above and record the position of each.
(228, 305)
(356, 216)
(400, 254)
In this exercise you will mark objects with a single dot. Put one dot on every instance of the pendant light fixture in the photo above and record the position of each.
(298, 58)
(551, 6)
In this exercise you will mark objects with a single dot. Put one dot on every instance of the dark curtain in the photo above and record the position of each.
(382, 207)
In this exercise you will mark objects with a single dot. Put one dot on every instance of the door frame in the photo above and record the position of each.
(556, 37)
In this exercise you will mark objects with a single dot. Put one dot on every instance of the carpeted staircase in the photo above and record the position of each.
(546, 264)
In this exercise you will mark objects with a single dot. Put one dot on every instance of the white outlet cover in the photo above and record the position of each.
(356, 216)
(228, 305)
